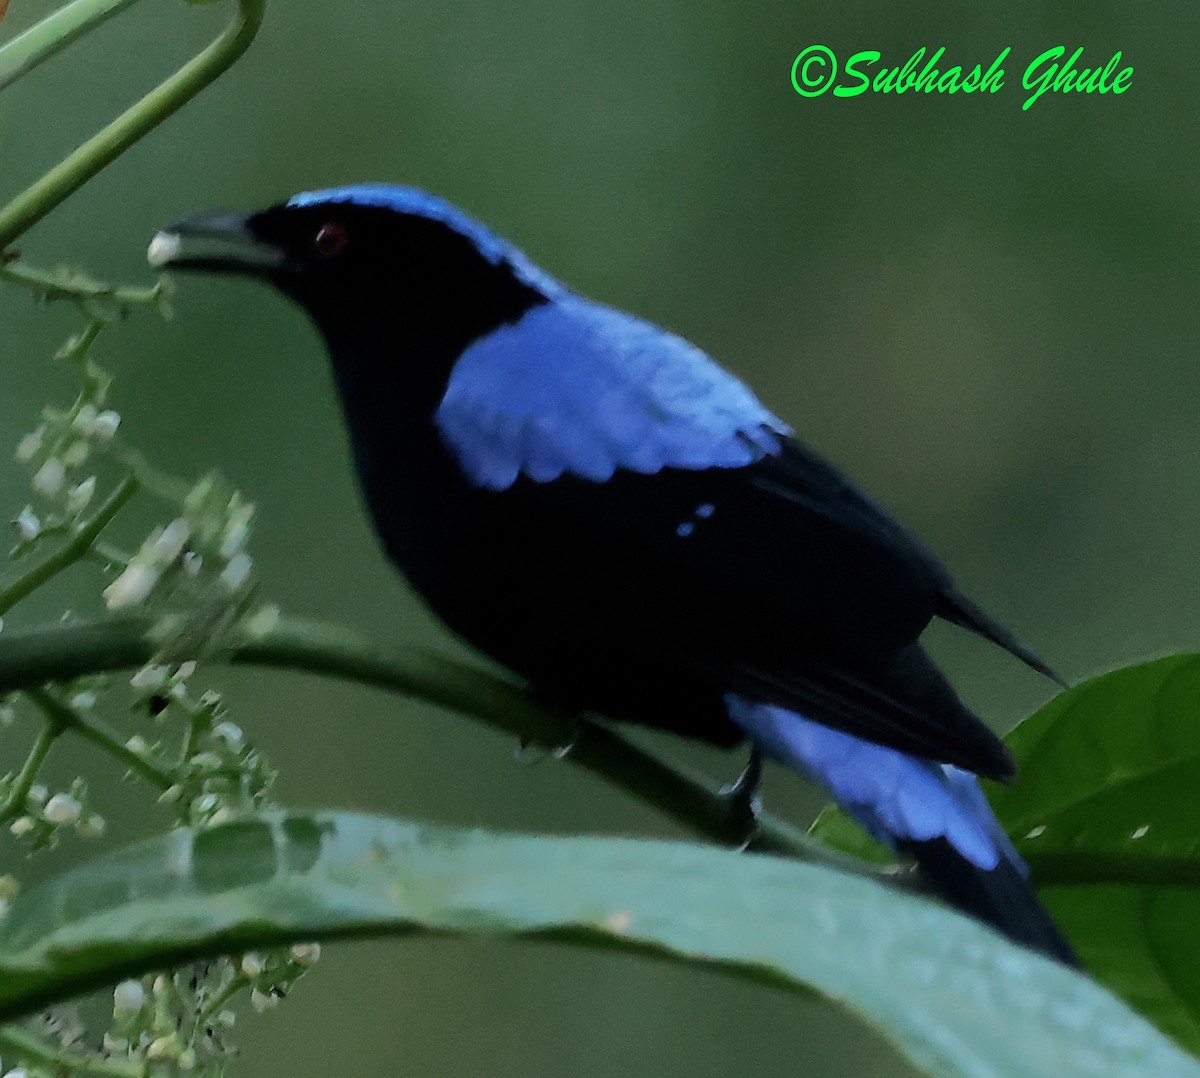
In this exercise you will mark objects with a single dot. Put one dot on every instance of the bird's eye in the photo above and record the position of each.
(330, 240)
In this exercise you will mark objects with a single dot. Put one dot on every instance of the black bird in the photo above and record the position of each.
(595, 503)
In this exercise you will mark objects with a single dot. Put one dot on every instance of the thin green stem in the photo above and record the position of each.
(105, 146)
(68, 284)
(14, 803)
(53, 33)
(101, 735)
(61, 653)
(14, 1040)
(214, 1005)
(81, 539)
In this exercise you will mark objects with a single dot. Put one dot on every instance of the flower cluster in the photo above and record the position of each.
(180, 1021)
(192, 574)
(56, 454)
(205, 544)
(44, 816)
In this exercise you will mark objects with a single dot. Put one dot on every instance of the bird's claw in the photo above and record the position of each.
(743, 799)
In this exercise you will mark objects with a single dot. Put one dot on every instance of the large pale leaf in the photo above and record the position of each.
(953, 996)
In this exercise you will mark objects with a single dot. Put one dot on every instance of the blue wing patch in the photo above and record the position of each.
(894, 796)
(575, 388)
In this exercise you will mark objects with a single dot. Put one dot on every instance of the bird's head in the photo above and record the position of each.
(368, 259)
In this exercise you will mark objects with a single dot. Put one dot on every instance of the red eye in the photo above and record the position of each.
(330, 240)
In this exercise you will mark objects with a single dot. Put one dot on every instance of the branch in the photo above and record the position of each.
(62, 718)
(61, 653)
(52, 34)
(69, 284)
(107, 145)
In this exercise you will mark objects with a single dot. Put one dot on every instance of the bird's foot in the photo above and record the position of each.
(743, 800)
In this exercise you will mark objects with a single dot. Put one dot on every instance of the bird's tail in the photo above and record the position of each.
(935, 812)
(1001, 896)
(957, 609)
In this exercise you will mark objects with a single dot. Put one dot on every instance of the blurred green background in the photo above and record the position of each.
(985, 315)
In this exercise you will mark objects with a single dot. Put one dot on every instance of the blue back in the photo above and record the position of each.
(576, 388)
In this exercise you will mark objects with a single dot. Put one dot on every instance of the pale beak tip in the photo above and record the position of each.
(163, 248)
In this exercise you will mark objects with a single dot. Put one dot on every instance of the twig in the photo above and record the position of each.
(76, 547)
(60, 653)
(107, 145)
(32, 1049)
(64, 718)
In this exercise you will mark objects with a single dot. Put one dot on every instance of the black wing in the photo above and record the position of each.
(780, 581)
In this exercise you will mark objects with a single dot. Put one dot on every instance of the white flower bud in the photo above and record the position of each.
(186, 670)
(27, 447)
(83, 701)
(230, 733)
(222, 815)
(137, 743)
(237, 531)
(149, 679)
(84, 419)
(263, 1001)
(93, 826)
(264, 621)
(205, 803)
(76, 453)
(132, 587)
(27, 524)
(167, 544)
(22, 825)
(306, 953)
(78, 497)
(235, 574)
(105, 425)
(253, 964)
(192, 563)
(62, 809)
(49, 478)
(163, 1047)
(128, 998)
(37, 794)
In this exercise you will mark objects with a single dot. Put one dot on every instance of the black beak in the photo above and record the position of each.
(227, 245)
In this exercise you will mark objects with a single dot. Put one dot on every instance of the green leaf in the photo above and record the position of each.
(1105, 810)
(836, 829)
(950, 994)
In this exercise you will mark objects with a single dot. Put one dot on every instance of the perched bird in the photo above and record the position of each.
(598, 505)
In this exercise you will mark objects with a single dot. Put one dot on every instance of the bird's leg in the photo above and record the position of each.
(742, 796)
